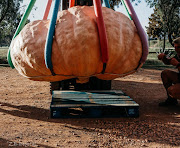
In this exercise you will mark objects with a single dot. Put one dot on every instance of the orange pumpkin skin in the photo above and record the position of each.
(76, 49)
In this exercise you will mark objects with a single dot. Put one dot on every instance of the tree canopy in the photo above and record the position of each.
(155, 28)
(118, 2)
(10, 17)
(9, 20)
(165, 21)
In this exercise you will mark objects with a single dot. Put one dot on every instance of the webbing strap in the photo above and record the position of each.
(107, 3)
(140, 30)
(71, 3)
(20, 27)
(102, 32)
(46, 13)
(49, 39)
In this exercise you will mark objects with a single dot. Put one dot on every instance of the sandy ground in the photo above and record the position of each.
(25, 120)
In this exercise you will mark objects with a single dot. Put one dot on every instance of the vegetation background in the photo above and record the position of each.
(164, 25)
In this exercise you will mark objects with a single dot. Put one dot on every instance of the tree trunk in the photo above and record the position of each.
(164, 42)
(170, 39)
(5, 11)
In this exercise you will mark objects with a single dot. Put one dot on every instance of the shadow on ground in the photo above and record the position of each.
(7, 143)
(155, 124)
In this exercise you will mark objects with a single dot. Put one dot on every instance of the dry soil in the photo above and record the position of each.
(25, 120)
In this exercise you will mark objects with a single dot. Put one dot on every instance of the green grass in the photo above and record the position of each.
(159, 44)
(156, 64)
(152, 61)
(152, 56)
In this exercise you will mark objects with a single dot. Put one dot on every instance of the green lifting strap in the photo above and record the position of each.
(126, 9)
(20, 27)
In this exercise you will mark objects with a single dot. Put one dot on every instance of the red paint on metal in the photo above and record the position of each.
(101, 30)
(71, 3)
(141, 32)
(46, 13)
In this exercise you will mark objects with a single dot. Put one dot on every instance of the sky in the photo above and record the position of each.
(142, 10)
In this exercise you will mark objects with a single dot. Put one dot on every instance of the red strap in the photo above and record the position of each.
(71, 3)
(141, 32)
(46, 13)
(101, 30)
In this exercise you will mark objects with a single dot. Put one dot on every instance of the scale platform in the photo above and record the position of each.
(92, 104)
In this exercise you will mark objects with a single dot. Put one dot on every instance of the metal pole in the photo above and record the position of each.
(47, 10)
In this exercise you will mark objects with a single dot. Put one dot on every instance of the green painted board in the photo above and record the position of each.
(91, 98)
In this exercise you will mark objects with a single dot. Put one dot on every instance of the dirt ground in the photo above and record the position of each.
(25, 116)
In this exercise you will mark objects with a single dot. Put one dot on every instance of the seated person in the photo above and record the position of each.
(171, 79)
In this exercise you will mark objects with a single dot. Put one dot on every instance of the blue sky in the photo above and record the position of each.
(142, 10)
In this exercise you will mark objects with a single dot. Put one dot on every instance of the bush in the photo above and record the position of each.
(3, 55)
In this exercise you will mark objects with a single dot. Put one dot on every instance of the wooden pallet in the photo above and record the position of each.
(103, 103)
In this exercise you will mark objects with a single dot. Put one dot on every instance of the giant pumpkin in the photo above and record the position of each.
(76, 48)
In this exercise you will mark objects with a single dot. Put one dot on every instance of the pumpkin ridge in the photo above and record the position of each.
(76, 48)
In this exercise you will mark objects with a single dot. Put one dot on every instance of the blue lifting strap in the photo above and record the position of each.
(49, 39)
(107, 3)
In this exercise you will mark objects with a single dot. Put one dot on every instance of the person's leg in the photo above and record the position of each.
(169, 78)
(174, 91)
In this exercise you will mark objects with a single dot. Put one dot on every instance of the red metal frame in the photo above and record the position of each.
(71, 3)
(101, 30)
(46, 13)
(141, 32)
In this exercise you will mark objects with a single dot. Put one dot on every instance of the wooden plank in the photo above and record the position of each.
(94, 103)
(77, 94)
(115, 92)
(112, 99)
(72, 97)
(115, 103)
(90, 102)
(125, 104)
(86, 96)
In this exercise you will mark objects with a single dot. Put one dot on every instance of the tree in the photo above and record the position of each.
(9, 20)
(156, 29)
(118, 2)
(168, 12)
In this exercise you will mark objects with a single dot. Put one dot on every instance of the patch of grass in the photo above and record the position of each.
(152, 56)
(156, 64)
(3, 55)
(159, 44)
